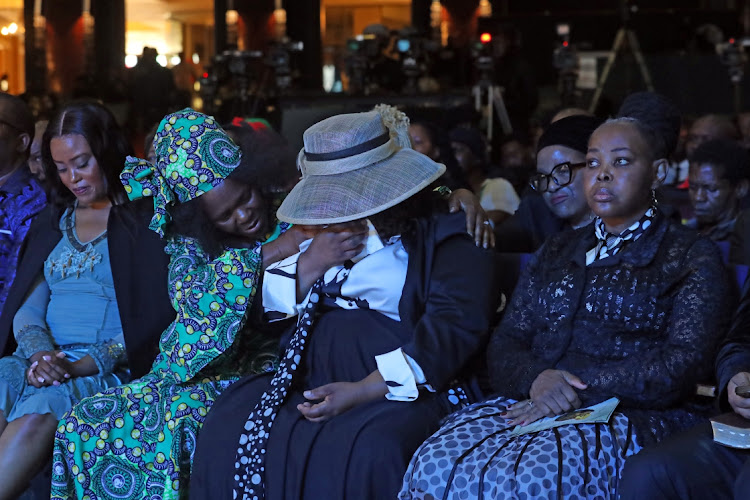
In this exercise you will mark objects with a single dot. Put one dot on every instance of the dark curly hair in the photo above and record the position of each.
(267, 165)
(106, 139)
(729, 155)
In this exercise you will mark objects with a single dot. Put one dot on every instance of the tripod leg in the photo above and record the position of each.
(616, 47)
(502, 111)
(490, 114)
(636, 48)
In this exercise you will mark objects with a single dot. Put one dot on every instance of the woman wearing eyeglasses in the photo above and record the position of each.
(558, 202)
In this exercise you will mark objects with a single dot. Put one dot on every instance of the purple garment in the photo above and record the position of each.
(21, 199)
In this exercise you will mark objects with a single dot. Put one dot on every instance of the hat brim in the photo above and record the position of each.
(329, 199)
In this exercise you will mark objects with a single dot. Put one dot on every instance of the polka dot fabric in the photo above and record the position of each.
(250, 464)
(472, 457)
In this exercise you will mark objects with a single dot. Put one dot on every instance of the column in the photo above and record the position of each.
(303, 25)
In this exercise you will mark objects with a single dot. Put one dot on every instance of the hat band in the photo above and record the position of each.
(346, 153)
(348, 163)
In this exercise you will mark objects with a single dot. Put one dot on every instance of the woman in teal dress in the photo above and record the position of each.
(137, 440)
(63, 310)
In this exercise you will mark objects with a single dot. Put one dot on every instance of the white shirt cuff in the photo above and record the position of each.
(402, 374)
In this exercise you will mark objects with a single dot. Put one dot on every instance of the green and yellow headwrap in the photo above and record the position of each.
(193, 155)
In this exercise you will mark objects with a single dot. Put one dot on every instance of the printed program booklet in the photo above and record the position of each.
(731, 430)
(595, 414)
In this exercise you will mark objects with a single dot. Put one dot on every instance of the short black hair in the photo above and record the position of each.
(731, 156)
(105, 138)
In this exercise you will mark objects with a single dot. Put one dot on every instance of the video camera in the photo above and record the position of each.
(415, 54)
(732, 55)
(241, 80)
(482, 55)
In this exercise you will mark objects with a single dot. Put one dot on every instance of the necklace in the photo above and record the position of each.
(79, 258)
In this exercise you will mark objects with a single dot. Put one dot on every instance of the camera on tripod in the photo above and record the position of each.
(415, 54)
(564, 57)
(238, 81)
(361, 50)
(732, 55)
(483, 57)
(279, 59)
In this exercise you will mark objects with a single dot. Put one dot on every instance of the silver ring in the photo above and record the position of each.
(486, 223)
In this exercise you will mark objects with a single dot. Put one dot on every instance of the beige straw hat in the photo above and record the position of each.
(356, 165)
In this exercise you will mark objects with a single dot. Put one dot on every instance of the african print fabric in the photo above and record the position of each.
(138, 440)
(193, 155)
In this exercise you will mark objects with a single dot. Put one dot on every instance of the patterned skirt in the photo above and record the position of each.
(472, 457)
(132, 441)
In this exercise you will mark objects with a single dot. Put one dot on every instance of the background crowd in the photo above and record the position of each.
(372, 317)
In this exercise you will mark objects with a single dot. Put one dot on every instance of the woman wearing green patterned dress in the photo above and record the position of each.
(137, 440)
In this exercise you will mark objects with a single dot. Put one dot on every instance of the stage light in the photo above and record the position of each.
(12, 28)
(131, 60)
(485, 38)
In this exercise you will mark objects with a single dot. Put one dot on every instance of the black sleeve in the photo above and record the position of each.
(458, 310)
(734, 353)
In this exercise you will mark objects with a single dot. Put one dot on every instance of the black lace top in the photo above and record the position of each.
(641, 325)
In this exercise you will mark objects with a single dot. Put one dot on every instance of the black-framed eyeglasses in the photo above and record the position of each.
(561, 174)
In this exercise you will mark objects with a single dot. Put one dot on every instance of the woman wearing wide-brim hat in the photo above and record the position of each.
(389, 327)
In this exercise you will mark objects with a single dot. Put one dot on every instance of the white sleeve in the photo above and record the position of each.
(402, 375)
(280, 288)
(498, 194)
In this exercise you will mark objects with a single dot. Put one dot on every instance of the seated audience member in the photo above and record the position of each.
(35, 151)
(389, 327)
(431, 140)
(21, 196)
(558, 201)
(89, 300)
(516, 163)
(566, 112)
(219, 233)
(496, 195)
(692, 465)
(631, 306)
(718, 178)
(705, 128)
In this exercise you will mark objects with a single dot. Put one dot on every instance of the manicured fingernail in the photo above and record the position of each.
(46, 358)
(67, 376)
(34, 364)
(60, 354)
(55, 383)
(40, 380)
(307, 394)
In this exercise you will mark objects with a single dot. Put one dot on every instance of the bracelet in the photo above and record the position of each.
(444, 192)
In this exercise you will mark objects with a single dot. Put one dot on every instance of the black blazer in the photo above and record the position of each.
(139, 271)
(449, 297)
